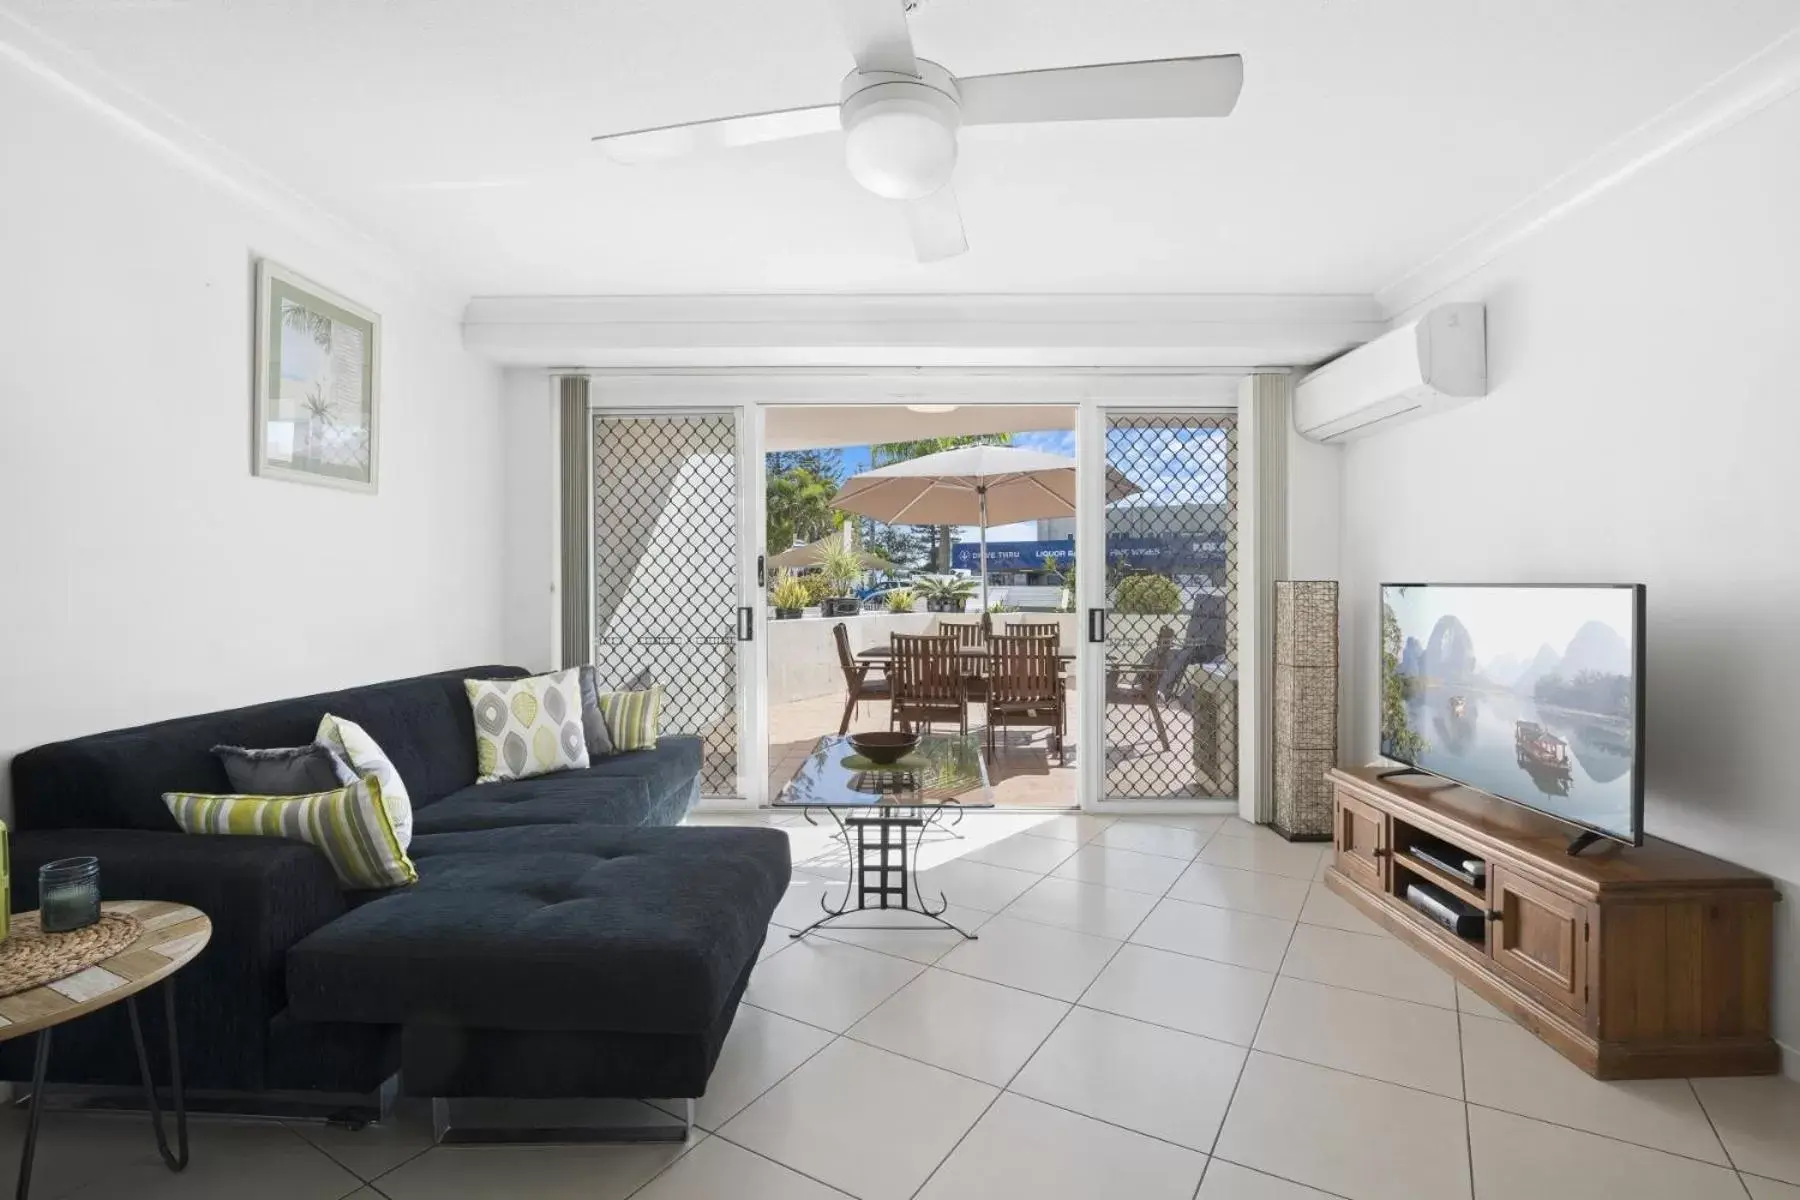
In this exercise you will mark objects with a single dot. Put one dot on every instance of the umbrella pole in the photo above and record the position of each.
(982, 492)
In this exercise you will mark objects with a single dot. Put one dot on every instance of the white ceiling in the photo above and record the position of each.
(1370, 134)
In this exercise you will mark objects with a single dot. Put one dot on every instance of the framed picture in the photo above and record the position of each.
(318, 383)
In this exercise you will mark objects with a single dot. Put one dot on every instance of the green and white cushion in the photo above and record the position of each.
(349, 825)
(528, 726)
(350, 742)
(632, 717)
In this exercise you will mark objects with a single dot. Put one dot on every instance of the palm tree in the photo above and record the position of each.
(882, 454)
(798, 508)
(301, 319)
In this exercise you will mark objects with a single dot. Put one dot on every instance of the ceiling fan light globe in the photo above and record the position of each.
(901, 145)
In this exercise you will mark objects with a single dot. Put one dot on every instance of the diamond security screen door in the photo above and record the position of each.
(1170, 709)
(666, 590)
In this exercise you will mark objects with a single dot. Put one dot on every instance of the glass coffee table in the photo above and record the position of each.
(883, 813)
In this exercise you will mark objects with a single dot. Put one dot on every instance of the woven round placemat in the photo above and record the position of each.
(30, 958)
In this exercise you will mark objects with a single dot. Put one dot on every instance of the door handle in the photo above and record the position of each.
(761, 579)
(746, 624)
(1096, 624)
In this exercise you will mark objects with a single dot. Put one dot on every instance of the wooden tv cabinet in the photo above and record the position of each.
(1634, 962)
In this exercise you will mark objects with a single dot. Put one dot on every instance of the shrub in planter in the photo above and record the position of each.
(901, 600)
(946, 593)
(788, 596)
(1148, 594)
(817, 588)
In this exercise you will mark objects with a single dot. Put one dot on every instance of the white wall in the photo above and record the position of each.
(1642, 427)
(146, 572)
(531, 555)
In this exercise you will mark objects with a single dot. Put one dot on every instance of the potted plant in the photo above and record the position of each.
(788, 596)
(1147, 594)
(946, 593)
(842, 568)
(901, 600)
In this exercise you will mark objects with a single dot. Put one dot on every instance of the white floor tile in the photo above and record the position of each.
(905, 934)
(1394, 1040)
(1299, 860)
(1023, 853)
(1345, 1134)
(761, 1048)
(975, 885)
(718, 1170)
(98, 1156)
(1245, 891)
(1076, 828)
(871, 1123)
(776, 941)
(1083, 907)
(77, 1149)
(965, 1025)
(1170, 1085)
(1515, 1156)
(1126, 869)
(1239, 828)
(1471, 1005)
(805, 899)
(1509, 1068)
(1208, 824)
(1759, 1121)
(1239, 938)
(1383, 965)
(1146, 838)
(829, 984)
(1228, 1181)
(1038, 958)
(1325, 907)
(1198, 995)
(377, 1149)
(1023, 1148)
(554, 1172)
(1769, 1189)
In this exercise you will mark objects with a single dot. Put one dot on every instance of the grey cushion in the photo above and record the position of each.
(593, 724)
(284, 770)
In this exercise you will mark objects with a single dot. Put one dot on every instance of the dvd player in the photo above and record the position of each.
(1448, 859)
(1447, 910)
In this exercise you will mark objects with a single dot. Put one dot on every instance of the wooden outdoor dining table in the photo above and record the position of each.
(886, 653)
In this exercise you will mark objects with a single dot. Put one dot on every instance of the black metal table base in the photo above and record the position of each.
(176, 1159)
(886, 884)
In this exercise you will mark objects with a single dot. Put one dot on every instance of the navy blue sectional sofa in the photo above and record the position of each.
(565, 939)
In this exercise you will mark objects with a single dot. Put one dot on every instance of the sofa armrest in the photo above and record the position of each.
(262, 894)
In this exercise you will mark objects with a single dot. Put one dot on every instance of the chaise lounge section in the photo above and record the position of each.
(564, 939)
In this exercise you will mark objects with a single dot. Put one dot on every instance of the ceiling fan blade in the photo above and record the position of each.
(877, 33)
(673, 141)
(1163, 87)
(936, 224)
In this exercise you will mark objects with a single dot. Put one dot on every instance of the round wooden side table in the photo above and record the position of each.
(172, 935)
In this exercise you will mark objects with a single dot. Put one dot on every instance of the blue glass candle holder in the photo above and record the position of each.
(68, 894)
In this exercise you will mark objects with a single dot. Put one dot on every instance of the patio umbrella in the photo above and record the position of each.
(813, 553)
(972, 485)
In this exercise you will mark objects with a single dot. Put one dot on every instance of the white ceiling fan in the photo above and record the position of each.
(900, 114)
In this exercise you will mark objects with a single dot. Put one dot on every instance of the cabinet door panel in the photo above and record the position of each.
(1362, 842)
(1539, 938)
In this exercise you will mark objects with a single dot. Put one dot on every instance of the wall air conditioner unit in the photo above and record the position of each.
(1424, 367)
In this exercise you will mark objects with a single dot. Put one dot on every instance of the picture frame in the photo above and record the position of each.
(316, 408)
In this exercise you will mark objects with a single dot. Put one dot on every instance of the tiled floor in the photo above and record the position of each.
(1159, 1007)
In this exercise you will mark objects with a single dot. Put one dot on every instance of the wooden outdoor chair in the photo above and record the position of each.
(1025, 688)
(856, 677)
(925, 676)
(1140, 684)
(1045, 629)
(969, 635)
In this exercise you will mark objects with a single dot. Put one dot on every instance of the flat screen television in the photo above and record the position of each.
(1532, 693)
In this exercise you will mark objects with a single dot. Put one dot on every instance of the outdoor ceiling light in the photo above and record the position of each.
(931, 408)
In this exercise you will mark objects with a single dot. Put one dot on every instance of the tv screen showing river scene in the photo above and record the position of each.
(1529, 693)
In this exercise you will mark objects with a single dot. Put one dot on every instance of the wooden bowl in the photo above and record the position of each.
(884, 748)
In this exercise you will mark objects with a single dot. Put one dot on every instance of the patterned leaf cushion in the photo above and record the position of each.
(632, 717)
(351, 742)
(528, 726)
(349, 825)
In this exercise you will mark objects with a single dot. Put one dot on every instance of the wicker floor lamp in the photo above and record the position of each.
(1306, 706)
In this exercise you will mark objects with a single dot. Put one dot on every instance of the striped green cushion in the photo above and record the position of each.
(631, 717)
(349, 825)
